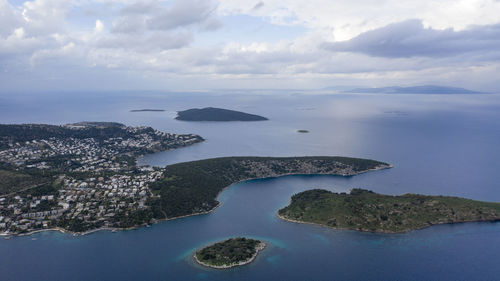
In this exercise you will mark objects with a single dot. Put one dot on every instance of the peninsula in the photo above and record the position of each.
(192, 187)
(216, 114)
(229, 253)
(365, 210)
(82, 177)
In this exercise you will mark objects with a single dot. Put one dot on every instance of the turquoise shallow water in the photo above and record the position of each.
(439, 145)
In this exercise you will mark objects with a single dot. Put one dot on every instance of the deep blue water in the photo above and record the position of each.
(439, 145)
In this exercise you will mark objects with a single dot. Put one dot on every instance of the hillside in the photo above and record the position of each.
(368, 211)
(192, 187)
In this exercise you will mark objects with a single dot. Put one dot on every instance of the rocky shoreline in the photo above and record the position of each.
(467, 210)
(261, 246)
(381, 231)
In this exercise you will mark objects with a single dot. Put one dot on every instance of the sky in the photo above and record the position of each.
(186, 45)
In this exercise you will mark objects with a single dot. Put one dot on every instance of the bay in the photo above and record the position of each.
(439, 144)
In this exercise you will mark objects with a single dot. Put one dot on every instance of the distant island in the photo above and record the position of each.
(229, 253)
(216, 114)
(147, 109)
(427, 89)
(302, 131)
(365, 210)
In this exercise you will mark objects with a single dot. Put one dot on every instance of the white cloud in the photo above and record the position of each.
(10, 19)
(447, 41)
(99, 26)
(346, 19)
(45, 16)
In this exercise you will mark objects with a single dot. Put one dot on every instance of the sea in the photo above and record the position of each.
(438, 144)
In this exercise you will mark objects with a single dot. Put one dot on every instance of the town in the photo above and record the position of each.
(80, 182)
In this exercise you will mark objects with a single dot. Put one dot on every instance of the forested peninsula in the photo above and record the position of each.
(82, 177)
(192, 187)
(365, 210)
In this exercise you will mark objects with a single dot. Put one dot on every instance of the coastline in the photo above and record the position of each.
(381, 231)
(381, 167)
(389, 166)
(261, 246)
(62, 230)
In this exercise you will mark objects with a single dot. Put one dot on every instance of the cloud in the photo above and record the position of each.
(258, 6)
(140, 8)
(152, 26)
(157, 41)
(9, 18)
(345, 19)
(183, 13)
(151, 16)
(169, 40)
(411, 39)
(43, 17)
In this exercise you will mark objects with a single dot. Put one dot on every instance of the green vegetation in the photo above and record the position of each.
(216, 114)
(13, 181)
(229, 253)
(368, 211)
(192, 187)
(29, 132)
(83, 176)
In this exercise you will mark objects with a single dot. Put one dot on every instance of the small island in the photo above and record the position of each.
(216, 114)
(229, 253)
(303, 131)
(365, 210)
(147, 110)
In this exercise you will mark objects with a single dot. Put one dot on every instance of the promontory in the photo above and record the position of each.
(368, 211)
(192, 187)
(216, 114)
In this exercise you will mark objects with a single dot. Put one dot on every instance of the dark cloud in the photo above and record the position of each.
(143, 7)
(153, 16)
(211, 25)
(183, 13)
(147, 26)
(155, 42)
(411, 39)
(129, 24)
(258, 6)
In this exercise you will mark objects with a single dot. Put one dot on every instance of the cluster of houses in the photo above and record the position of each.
(94, 201)
(25, 213)
(96, 182)
(90, 154)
